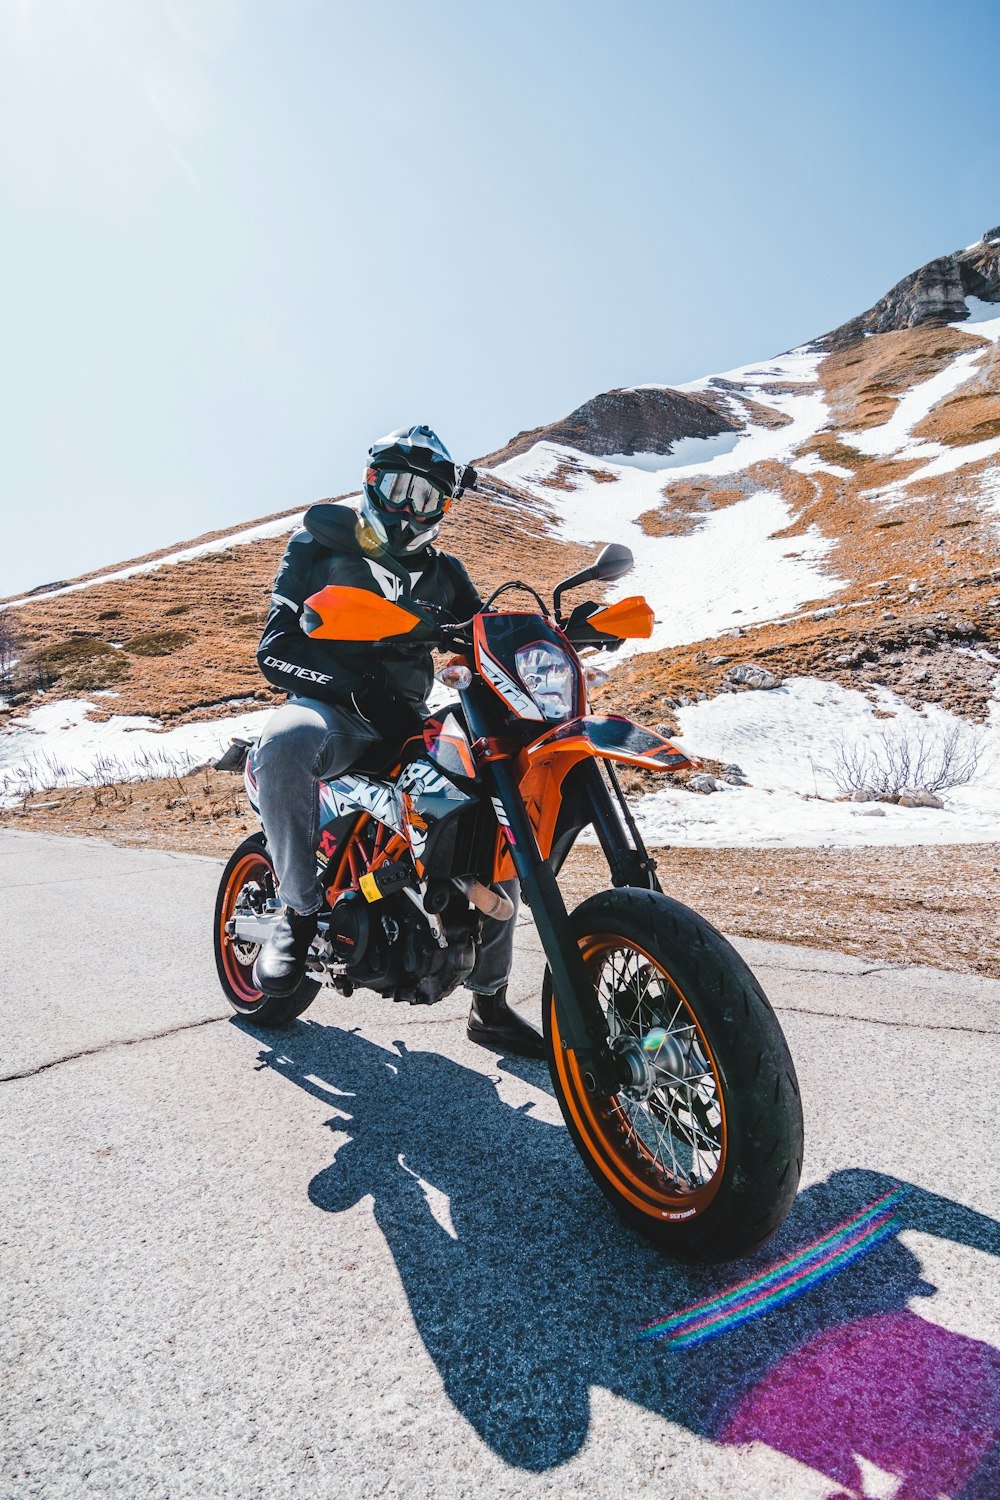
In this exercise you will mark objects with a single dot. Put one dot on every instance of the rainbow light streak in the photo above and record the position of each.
(796, 1274)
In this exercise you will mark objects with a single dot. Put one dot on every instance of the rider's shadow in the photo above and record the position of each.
(526, 1289)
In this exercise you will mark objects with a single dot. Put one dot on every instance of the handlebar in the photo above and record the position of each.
(457, 634)
(344, 612)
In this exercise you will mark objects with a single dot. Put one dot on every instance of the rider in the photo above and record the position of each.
(345, 697)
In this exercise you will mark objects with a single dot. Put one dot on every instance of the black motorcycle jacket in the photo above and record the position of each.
(327, 550)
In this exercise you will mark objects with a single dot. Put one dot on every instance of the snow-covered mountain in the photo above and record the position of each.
(829, 517)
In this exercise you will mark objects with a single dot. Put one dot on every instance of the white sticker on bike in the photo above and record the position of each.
(352, 794)
(508, 688)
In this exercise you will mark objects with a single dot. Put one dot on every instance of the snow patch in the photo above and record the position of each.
(735, 569)
(783, 740)
(892, 439)
(950, 459)
(989, 489)
(811, 463)
(67, 748)
(984, 318)
(798, 366)
(684, 452)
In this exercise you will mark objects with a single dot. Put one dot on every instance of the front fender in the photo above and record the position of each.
(608, 737)
(547, 761)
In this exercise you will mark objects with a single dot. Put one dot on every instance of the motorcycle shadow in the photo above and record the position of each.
(527, 1290)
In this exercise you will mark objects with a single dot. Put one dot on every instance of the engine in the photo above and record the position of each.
(387, 944)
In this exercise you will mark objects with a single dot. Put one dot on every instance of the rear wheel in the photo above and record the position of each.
(247, 884)
(702, 1155)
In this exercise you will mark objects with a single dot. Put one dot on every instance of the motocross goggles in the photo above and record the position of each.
(410, 494)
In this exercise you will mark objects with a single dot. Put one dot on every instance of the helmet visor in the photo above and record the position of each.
(411, 494)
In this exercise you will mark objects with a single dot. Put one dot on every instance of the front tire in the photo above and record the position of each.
(704, 1157)
(248, 867)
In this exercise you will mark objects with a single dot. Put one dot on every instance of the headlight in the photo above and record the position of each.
(549, 674)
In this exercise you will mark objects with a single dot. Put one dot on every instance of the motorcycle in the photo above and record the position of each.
(667, 1061)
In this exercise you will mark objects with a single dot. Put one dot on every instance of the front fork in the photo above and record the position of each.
(629, 862)
(583, 1027)
(582, 1024)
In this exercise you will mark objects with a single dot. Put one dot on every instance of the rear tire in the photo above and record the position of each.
(251, 863)
(707, 1165)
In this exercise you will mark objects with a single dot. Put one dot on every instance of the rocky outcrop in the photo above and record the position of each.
(643, 420)
(934, 294)
(749, 675)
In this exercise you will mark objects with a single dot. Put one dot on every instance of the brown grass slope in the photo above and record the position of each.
(178, 642)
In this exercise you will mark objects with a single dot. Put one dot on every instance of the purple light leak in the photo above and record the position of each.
(887, 1388)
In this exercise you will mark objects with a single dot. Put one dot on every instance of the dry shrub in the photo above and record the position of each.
(8, 652)
(158, 642)
(83, 664)
(932, 760)
(95, 675)
(25, 779)
(61, 655)
(111, 781)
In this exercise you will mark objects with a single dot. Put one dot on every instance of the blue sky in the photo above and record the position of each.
(241, 238)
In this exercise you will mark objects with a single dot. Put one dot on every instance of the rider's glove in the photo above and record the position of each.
(439, 612)
(394, 720)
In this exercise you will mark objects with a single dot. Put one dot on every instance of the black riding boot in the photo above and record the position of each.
(492, 1023)
(281, 963)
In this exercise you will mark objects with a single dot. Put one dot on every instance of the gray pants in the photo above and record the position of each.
(305, 742)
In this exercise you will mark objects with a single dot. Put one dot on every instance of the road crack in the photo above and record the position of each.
(833, 1015)
(834, 973)
(131, 1041)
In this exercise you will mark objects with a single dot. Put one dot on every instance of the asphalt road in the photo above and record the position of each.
(360, 1258)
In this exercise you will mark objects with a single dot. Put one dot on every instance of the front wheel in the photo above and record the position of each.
(247, 883)
(702, 1154)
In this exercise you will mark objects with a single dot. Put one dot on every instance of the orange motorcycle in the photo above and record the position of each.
(668, 1063)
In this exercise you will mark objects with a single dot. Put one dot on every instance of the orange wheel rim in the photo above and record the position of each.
(666, 1156)
(239, 974)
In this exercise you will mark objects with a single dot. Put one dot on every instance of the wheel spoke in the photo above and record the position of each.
(689, 1132)
(670, 1145)
(677, 1129)
(631, 1123)
(677, 1010)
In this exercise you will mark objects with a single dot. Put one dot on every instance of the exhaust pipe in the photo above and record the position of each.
(491, 903)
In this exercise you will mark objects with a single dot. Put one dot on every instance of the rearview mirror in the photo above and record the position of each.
(613, 561)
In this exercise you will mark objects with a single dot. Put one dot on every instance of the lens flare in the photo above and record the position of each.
(790, 1277)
